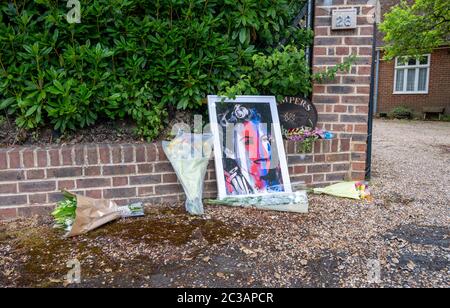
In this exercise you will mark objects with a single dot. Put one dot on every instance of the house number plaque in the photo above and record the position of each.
(344, 19)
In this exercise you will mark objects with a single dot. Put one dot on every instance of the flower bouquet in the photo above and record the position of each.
(189, 155)
(351, 190)
(78, 215)
(296, 202)
(306, 137)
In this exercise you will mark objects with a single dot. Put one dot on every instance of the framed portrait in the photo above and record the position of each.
(248, 146)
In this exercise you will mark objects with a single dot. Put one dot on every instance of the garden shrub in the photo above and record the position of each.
(401, 113)
(135, 58)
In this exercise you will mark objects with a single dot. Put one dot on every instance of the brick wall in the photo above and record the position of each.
(343, 103)
(439, 91)
(31, 178)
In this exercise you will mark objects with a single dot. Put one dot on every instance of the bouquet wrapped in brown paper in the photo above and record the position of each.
(79, 214)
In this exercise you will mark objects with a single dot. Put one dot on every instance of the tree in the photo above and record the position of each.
(417, 28)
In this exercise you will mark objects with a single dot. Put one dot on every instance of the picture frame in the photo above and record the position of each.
(248, 146)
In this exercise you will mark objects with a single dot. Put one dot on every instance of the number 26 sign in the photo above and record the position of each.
(344, 19)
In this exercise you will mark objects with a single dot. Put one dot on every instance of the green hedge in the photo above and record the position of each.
(134, 58)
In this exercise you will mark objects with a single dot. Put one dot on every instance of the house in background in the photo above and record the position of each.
(422, 85)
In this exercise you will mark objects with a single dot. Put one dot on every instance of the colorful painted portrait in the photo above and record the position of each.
(251, 157)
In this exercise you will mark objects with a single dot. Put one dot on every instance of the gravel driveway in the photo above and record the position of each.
(400, 240)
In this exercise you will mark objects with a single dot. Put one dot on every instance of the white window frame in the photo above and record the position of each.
(417, 67)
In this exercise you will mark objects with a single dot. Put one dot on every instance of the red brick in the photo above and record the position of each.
(168, 189)
(364, 70)
(128, 153)
(37, 199)
(151, 152)
(65, 172)
(358, 166)
(337, 157)
(356, 80)
(140, 153)
(145, 168)
(334, 146)
(96, 194)
(41, 186)
(120, 181)
(363, 90)
(302, 178)
(345, 145)
(340, 108)
(361, 128)
(350, 118)
(319, 158)
(66, 154)
(41, 156)
(338, 128)
(163, 167)
(359, 157)
(92, 171)
(11, 175)
(364, 21)
(8, 188)
(13, 200)
(92, 155)
(365, 51)
(323, 21)
(54, 157)
(342, 51)
(358, 176)
(341, 167)
(28, 158)
(90, 183)
(35, 174)
(116, 154)
(359, 147)
(80, 155)
(299, 169)
(145, 179)
(14, 159)
(119, 193)
(336, 177)
(66, 185)
(104, 153)
(319, 168)
(212, 175)
(3, 160)
(119, 170)
(327, 60)
(146, 191)
(327, 41)
(172, 178)
(34, 210)
(7, 214)
(341, 89)
(320, 11)
(317, 178)
(355, 100)
(161, 155)
(319, 89)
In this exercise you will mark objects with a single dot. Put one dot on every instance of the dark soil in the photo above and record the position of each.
(107, 131)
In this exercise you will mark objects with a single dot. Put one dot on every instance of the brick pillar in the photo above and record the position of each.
(343, 103)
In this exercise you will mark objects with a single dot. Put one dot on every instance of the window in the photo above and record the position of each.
(412, 76)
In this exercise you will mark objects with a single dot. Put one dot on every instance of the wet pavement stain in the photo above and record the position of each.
(423, 235)
(41, 253)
